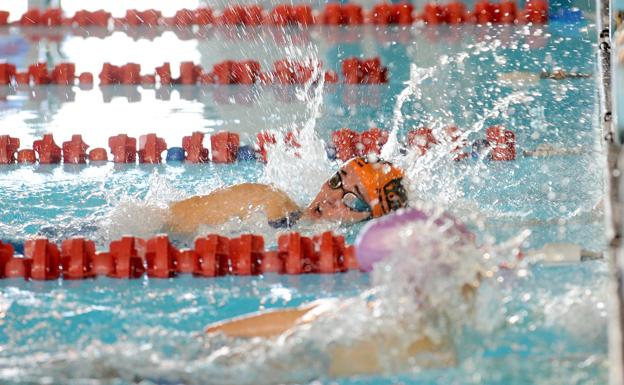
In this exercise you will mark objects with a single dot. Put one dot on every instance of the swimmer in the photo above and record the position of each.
(519, 77)
(363, 188)
(364, 356)
(402, 323)
(422, 295)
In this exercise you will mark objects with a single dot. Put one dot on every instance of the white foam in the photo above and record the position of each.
(136, 214)
(300, 171)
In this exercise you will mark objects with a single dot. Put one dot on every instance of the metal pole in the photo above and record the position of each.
(613, 225)
(615, 256)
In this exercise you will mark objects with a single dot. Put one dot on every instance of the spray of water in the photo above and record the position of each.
(431, 287)
(300, 171)
(140, 215)
(391, 150)
(425, 290)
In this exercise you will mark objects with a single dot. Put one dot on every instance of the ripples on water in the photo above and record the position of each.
(531, 324)
(534, 324)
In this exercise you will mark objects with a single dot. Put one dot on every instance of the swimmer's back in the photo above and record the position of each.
(223, 204)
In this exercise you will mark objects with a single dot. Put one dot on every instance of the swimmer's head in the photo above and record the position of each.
(363, 188)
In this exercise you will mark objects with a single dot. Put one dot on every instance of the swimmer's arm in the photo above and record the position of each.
(224, 204)
(359, 358)
(519, 77)
(266, 324)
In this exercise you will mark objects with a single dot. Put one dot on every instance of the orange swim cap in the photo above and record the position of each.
(382, 183)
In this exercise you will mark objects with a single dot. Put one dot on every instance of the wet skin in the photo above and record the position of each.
(243, 200)
(328, 203)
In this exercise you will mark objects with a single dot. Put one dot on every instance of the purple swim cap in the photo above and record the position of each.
(381, 237)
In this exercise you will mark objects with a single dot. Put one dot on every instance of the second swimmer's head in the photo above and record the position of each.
(363, 188)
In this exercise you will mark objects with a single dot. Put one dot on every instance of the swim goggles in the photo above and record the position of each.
(349, 199)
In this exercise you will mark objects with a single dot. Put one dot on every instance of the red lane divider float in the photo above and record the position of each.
(194, 147)
(212, 256)
(123, 148)
(47, 150)
(370, 71)
(502, 143)
(150, 148)
(8, 149)
(123, 259)
(247, 72)
(75, 151)
(77, 257)
(349, 143)
(266, 139)
(225, 147)
(26, 156)
(535, 11)
(37, 74)
(422, 139)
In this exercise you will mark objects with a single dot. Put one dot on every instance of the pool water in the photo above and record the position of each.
(467, 61)
(551, 330)
(544, 324)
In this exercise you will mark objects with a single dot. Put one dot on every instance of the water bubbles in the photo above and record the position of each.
(513, 319)
(500, 199)
(126, 209)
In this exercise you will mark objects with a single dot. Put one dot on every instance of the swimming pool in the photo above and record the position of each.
(550, 326)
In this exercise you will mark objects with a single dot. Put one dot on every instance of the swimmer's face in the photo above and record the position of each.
(341, 199)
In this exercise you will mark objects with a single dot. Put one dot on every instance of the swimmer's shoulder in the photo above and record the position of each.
(248, 188)
(261, 191)
(251, 189)
(245, 196)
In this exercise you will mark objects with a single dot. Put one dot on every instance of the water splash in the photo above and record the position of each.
(300, 171)
(391, 150)
(407, 302)
(140, 215)
(436, 176)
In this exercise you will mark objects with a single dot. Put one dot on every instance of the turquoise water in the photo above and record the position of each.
(42, 198)
(547, 327)
(551, 329)
(463, 90)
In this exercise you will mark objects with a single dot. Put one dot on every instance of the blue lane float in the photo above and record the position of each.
(175, 154)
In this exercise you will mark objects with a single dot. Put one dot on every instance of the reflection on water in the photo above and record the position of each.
(531, 322)
(544, 324)
(463, 88)
(469, 83)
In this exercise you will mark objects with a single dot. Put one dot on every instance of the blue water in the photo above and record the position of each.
(521, 195)
(548, 327)
(552, 323)
(463, 90)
